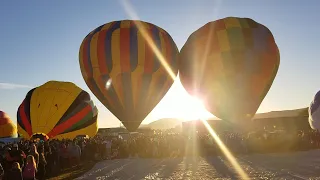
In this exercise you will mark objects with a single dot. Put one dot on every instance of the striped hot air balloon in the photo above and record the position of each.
(314, 112)
(231, 64)
(121, 63)
(7, 128)
(58, 110)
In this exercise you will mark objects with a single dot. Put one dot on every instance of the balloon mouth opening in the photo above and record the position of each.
(40, 136)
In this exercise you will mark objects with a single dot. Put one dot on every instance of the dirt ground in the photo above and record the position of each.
(299, 165)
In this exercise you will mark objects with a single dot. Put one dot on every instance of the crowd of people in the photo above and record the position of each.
(177, 144)
(263, 142)
(39, 159)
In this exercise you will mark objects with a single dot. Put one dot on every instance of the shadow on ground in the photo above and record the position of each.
(74, 172)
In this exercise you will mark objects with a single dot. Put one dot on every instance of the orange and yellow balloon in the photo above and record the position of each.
(7, 128)
(230, 64)
(121, 63)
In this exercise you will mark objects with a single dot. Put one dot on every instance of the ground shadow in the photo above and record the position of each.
(74, 172)
(217, 162)
(147, 169)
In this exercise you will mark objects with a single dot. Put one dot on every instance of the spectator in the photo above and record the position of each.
(15, 172)
(50, 157)
(15, 155)
(108, 145)
(74, 153)
(29, 172)
(63, 155)
(33, 151)
(42, 164)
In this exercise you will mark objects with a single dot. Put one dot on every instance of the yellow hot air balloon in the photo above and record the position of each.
(231, 64)
(58, 110)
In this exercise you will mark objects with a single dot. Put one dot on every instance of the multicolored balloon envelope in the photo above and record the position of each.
(7, 128)
(124, 63)
(230, 64)
(314, 112)
(58, 110)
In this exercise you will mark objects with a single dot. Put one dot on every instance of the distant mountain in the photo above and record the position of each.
(166, 123)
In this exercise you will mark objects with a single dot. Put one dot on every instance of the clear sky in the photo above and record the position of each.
(39, 41)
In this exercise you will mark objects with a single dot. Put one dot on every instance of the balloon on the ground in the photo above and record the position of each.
(59, 110)
(7, 128)
(314, 112)
(121, 63)
(230, 64)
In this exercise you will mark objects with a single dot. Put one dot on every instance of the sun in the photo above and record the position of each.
(194, 109)
(177, 103)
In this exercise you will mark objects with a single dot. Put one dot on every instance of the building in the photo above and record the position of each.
(289, 120)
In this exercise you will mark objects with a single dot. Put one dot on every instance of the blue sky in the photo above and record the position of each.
(40, 41)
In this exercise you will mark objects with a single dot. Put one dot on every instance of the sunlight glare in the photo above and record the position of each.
(226, 152)
(197, 111)
(108, 84)
(132, 14)
(177, 103)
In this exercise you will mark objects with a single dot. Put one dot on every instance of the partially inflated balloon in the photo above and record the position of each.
(314, 112)
(59, 110)
(231, 64)
(7, 128)
(121, 64)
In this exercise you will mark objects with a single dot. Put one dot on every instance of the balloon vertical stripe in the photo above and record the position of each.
(149, 56)
(25, 120)
(125, 39)
(101, 53)
(133, 48)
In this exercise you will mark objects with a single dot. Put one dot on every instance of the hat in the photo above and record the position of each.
(15, 145)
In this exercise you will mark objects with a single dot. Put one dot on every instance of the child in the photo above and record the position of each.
(29, 172)
(15, 172)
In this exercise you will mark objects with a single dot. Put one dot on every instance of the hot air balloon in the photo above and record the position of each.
(58, 110)
(230, 64)
(314, 112)
(129, 66)
(7, 128)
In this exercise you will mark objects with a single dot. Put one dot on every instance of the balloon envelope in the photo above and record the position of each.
(230, 64)
(314, 112)
(7, 128)
(59, 110)
(121, 63)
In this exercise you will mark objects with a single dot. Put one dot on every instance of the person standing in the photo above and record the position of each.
(29, 172)
(108, 145)
(33, 151)
(15, 155)
(42, 164)
(14, 173)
